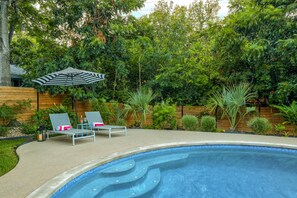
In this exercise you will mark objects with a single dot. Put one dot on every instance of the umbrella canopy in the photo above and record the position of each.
(70, 77)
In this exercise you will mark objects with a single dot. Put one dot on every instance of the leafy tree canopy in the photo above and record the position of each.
(181, 53)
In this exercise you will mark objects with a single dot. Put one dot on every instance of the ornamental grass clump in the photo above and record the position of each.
(208, 123)
(260, 125)
(190, 123)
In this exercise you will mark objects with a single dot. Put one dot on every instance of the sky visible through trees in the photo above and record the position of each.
(150, 4)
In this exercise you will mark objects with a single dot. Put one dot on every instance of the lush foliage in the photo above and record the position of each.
(8, 113)
(112, 113)
(29, 128)
(182, 53)
(208, 124)
(232, 102)
(260, 125)
(103, 37)
(138, 104)
(41, 118)
(101, 106)
(288, 112)
(3, 131)
(87, 34)
(8, 156)
(257, 44)
(190, 122)
(164, 116)
(179, 58)
(279, 128)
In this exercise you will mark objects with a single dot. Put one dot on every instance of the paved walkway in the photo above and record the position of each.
(40, 162)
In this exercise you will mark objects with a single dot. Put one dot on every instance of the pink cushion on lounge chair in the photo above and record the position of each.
(97, 124)
(63, 127)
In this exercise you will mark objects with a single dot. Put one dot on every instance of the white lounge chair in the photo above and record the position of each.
(94, 118)
(60, 120)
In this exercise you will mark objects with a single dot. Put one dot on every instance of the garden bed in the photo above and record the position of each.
(14, 133)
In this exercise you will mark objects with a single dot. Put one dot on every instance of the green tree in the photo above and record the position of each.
(4, 45)
(88, 35)
(256, 44)
(97, 31)
(182, 51)
(140, 49)
(19, 16)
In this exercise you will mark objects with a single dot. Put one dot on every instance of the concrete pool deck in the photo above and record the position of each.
(47, 163)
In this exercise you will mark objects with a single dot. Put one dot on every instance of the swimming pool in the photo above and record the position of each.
(200, 171)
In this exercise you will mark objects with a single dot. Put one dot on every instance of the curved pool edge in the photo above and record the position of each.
(52, 186)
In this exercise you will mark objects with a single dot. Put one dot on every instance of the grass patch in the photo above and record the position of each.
(8, 156)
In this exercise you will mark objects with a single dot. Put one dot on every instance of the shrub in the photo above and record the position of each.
(8, 113)
(41, 117)
(117, 114)
(3, 131)
(280, 128)
(260, 125)
(231, 101)
(101, 106)
(164, 116)
(288, 112)
(137, 104)
(190, 122)
(208, 123)
(29, 128)
(120, 122)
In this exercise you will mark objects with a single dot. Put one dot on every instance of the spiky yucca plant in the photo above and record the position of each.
(138, 104)
(231, 101)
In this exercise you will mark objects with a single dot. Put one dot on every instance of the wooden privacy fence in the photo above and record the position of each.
(10, 95)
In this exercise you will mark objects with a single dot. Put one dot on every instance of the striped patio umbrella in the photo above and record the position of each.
(70, 77)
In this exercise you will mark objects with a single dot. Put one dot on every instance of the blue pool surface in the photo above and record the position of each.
(193, 171)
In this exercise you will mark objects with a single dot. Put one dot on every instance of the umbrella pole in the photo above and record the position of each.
(74, 103)
(74, 108)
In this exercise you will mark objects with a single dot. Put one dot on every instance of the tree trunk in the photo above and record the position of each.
(139, 72)
(4, 45)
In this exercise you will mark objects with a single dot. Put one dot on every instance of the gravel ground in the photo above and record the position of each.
(14, 132)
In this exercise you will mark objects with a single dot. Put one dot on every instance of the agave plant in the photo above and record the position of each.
(288, 112)
(231, 101)
(138, 104)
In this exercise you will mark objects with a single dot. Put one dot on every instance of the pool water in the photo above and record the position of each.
(193, 171)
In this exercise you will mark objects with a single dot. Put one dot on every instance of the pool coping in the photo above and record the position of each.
(52, 186)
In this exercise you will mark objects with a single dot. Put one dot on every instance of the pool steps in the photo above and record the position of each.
(124, 178)
(142, 187)
(117, 170)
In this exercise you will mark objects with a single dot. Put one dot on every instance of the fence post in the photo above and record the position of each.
(182, 111)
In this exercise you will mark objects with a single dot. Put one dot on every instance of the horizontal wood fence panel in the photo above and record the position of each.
(82, 107)
(46, 100)
(11, 95)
